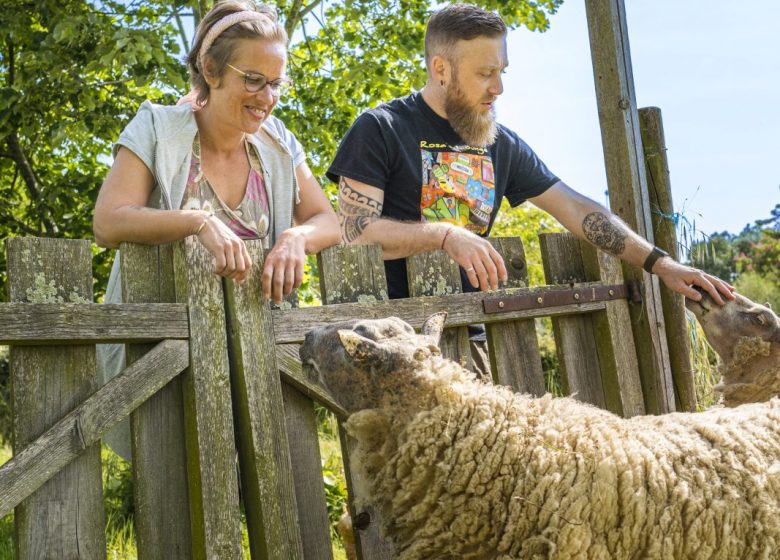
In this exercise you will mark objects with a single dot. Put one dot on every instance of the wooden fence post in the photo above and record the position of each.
(662, 208)
(162, 520)
(435, 274)
(356, 273)
(65, 517)
(264, 454)
(514, 347)
(574, 337)
(210, 437)
(624, 159)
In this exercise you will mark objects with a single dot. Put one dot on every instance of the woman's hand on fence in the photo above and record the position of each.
(231, 258)
(283, 267)
(484, 266)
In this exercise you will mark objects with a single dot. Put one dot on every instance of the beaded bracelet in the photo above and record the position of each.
(203, 223)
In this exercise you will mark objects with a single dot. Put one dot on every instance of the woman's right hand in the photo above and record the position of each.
(231, 258)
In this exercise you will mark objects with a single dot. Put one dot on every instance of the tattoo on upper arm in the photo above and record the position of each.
(356, 211)
(600, 231)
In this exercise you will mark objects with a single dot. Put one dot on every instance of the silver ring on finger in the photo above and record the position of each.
(469, 269)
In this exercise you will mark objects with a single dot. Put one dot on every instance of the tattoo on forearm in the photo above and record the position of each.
(603, 233)
(356, 211)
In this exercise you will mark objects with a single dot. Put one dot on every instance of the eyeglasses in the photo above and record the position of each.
(256, 82)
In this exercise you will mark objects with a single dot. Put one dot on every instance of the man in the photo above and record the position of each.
(429, 171)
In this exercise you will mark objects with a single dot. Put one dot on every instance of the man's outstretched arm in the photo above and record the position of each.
(360, 210)
(590, 221)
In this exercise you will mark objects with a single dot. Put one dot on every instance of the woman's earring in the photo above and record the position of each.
(442, 83)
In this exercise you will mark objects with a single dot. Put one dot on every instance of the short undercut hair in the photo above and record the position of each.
(459, 22)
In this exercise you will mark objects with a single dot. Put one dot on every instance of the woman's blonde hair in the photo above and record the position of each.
(222, 48)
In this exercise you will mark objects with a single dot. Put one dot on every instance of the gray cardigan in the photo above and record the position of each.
(162, 137)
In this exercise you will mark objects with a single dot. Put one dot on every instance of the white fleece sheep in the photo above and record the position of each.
(462, 469)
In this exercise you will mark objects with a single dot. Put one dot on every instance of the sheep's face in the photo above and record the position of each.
(725, 324)
(363, 362)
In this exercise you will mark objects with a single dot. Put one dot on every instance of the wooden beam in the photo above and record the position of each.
(627, 182)
(665, 231)
(90, 323)
(291, 325)
(515, 359)
(264, 453)
(208, 409)
(43, 458)
(65, 517)
(160, 494)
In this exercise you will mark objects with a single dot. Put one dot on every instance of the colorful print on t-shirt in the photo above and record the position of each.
(458, 185)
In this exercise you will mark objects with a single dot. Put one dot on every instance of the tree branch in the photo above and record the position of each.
(297, 12)
(182, 34)
(11, 70)
(292, 18)
(28, 175)
(22, 226)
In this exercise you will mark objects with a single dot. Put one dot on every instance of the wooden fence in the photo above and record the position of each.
(213, 374)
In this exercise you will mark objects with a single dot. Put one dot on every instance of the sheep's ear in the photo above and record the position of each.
(360, 348)
(434, 325)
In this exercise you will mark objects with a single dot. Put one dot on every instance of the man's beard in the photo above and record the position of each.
(474, 127)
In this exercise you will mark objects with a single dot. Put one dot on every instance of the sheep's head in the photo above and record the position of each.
(747, 338)
(362, 363)
(740, 318)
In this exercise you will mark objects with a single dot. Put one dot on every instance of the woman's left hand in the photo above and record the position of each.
(283, 268)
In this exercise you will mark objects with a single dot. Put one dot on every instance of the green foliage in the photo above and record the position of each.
(759, 288)
(72, 74)
(755, 249)
(527, 222)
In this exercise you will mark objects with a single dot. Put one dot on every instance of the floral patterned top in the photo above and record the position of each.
(251, 218)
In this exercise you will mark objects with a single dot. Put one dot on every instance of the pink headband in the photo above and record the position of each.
(217, 29)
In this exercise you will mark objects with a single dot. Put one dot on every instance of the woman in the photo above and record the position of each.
(226, 171)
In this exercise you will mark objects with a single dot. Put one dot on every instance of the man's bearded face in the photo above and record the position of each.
(475, 125)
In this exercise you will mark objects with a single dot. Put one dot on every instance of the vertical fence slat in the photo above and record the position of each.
(662, 208)
(435, 274)
(616, 351)
(64, 518)
(307, 464)
(211, 452)
(514, 349)
(624, 162)
(347, 274)
(266, 472)
(574, 337)
(162, 520)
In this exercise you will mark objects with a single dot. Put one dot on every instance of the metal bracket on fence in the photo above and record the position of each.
(557, 298)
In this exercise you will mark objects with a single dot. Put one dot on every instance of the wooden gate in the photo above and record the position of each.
(213, 375)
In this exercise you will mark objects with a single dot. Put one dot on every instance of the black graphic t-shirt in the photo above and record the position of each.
(428, 174)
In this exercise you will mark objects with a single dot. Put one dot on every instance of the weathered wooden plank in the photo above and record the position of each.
(292, 374)
(211, 452)
(64, 518)
(313, 518)
(264, 454)
(162, 521)
(514, 349)
(90, 323)
(356, 273)
(83, 426)
(664, 230)
(291, 325)
(616, 350)
(574, 336)
(435, 274)
(624, 162)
